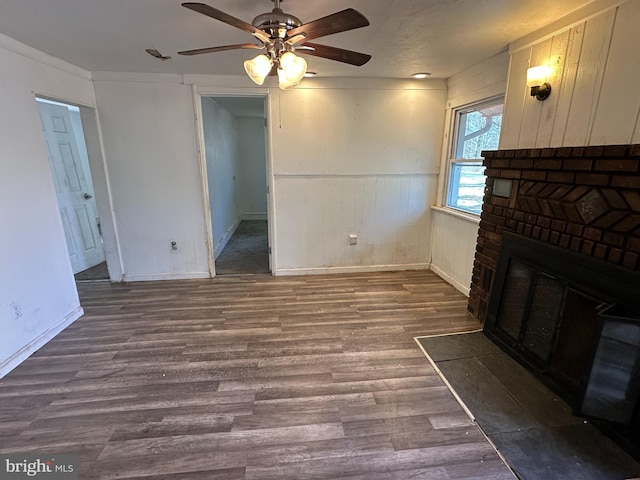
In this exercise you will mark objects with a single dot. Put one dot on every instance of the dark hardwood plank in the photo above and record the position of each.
(260, 377)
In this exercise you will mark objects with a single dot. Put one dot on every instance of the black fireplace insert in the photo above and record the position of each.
(574, 321)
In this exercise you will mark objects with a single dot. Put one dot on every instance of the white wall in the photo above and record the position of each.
(593, 102)
(220, 141)
(454, 235)
(348, 156)
(36, 272)
(345, 156)
(355, 156)
(596, 65)
(150, 144)
(252, 168)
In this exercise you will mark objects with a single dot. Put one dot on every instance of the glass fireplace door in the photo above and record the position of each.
(613, 384)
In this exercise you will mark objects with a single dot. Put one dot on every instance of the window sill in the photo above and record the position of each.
(469, 217)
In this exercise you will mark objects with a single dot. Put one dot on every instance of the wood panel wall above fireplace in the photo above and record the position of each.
(581, 199)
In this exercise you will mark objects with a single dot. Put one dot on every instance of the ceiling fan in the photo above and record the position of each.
(280, 35)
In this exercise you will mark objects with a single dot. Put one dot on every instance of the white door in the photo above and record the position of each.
(74, 190)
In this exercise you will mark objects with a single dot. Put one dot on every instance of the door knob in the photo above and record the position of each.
(87, 196)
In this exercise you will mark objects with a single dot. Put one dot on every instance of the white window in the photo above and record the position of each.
(475, 129)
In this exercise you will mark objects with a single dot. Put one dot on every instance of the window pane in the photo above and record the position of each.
(477, 131)
(466, 186)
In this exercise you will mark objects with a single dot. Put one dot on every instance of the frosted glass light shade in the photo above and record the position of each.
(537, 82)
(537, 75)
(258, 68)
(292, 69)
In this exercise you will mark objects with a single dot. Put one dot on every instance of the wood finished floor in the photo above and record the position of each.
(254, 377)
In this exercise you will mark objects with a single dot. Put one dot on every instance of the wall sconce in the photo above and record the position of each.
(536, 80)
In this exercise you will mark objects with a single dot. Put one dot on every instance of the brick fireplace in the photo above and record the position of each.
(582, 199)
(556, 276)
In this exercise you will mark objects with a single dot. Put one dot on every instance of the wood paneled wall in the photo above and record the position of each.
(594, 101)
(388, 212)
(355, 157)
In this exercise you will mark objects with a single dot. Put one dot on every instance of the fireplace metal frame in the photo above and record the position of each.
(594, 277)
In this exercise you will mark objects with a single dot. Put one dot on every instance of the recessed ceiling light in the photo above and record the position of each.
(420, 75)
(310, 74)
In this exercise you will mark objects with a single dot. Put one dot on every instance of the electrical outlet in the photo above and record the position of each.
(16, 310)
(353, 239)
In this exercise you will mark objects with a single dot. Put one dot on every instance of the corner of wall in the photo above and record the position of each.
(34, 345)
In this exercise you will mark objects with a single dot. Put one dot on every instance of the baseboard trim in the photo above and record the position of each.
(449, 279)
(152, 277)
(33, 346)
(253, 216)
(217, 250)
(350, 269)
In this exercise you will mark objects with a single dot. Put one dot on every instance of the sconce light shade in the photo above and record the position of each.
(292, 69)
(536, 80)
(258, 68)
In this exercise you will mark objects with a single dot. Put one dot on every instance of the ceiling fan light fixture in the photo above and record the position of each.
(280, 34)
(291, 70)
(258, 68)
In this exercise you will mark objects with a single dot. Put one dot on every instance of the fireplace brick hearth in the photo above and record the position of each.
(582, 199)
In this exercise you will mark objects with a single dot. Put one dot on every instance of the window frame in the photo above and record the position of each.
(451, 159)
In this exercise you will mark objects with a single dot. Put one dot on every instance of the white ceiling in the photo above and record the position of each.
(442, 37)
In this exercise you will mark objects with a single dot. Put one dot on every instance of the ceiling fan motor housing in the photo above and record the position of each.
(276, 23)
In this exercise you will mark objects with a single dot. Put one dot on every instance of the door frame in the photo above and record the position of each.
(102, 191)
(198, 94)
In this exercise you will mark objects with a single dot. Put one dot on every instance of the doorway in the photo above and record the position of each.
(69, 161)
(234, 132)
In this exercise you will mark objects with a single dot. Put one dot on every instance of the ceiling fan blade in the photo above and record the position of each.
(238, 46)
(296, 39)
(342, 21)
(228, 19)
(334, 53)
(155, 53)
